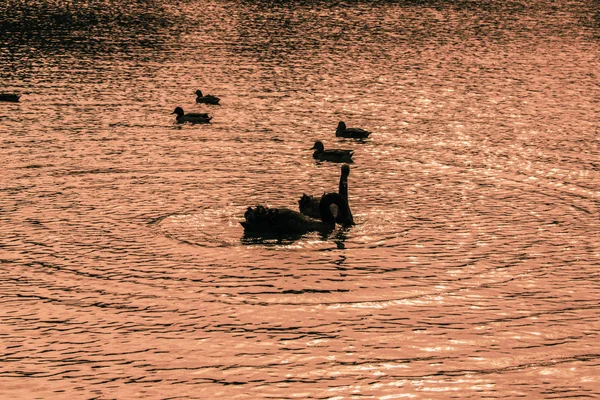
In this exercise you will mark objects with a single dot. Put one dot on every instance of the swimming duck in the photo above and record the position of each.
(356, 133)
(10, 97)
(208, 99)
(193, 118)
(309, 205)
(279, 221)
(334, 155)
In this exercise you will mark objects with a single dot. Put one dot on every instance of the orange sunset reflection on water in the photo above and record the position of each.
(471, 272)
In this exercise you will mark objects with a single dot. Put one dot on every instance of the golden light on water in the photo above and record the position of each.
(471, 270)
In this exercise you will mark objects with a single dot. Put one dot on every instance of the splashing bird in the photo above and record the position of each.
(282, 221)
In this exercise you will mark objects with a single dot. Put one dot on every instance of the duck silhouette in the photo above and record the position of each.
(193, 118)
(355, 133)
(208, 99)
(309, 205)
(333, 155)
(11, 97)
(283, 221)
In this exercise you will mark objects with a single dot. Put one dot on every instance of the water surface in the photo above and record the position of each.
(472, 271)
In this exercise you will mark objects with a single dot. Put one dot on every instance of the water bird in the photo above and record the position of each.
(309, 205)
(10, 97)
(283, 221)
(334, 155)
(208, 99)
(355, 133)
(193, 118)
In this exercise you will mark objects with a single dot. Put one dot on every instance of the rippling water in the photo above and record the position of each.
(473, 271)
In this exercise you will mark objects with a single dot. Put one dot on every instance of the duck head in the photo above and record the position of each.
(199, 93)
(319, 147)
(345, 170)
(178, 111)
(341, 126)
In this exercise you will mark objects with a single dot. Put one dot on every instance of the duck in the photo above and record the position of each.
(333, 155)
(10, 97)
(355, 133)
(309, 205)
(208, 99)
(193, 118)
(283, 221)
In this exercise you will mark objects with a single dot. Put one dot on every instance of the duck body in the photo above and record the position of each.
(208, 99)
(11, 97)
(192, 118)
(354, 133)
(309, 205)
(282, 221)
(333, 155)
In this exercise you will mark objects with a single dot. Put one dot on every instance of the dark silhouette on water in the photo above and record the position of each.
(309, 205)
(208, 99)
(283, 221)
(192, 118)
(11, 97)
(333, 155)
(355, 133)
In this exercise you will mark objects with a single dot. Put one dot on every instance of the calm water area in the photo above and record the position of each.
(473, 270)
